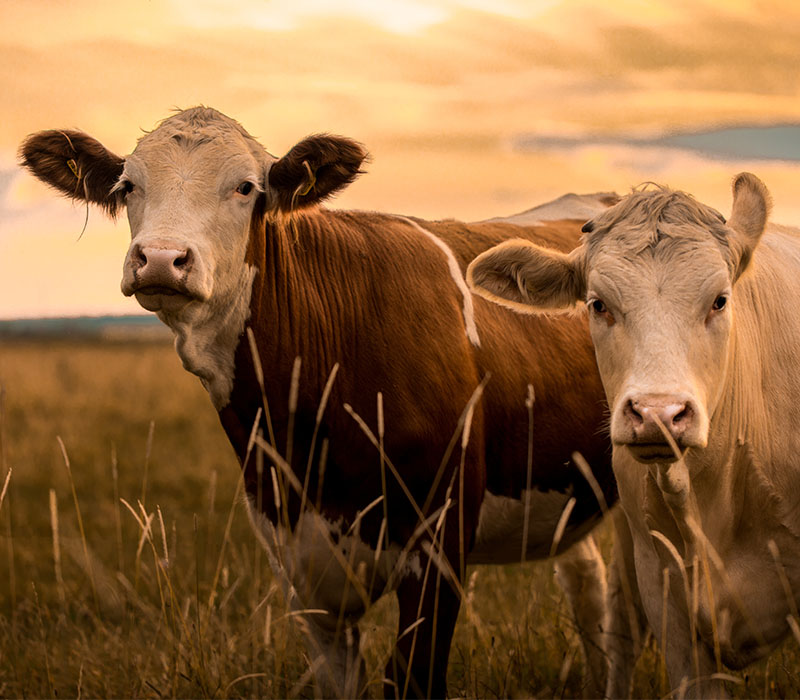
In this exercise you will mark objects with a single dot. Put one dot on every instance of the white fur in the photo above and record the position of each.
(207, 345)
(458, 278)
(581, 573)
(500, 526)
(568, 206)
(185, 176)
(332, 576)
(580, 570)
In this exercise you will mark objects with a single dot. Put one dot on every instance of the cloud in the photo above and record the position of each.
(470, 109)
(779, 142)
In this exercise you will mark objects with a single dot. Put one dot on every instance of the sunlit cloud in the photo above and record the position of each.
(470, 109)
(400, 16)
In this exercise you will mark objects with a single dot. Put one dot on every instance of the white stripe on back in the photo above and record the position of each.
(458, 278)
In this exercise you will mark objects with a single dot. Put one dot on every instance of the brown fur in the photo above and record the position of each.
(314, 169)
(76, 165)
(370, 292)
(375, 294)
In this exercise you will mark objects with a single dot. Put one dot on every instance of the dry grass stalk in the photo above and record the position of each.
(664, 612)
(231, 511)
(512, 641)
(43, 634)
(256, 357)
(56, 546)
(84, 544)
(117, 512)
(561, 525)
(526, 514)
(148, 450)
(5, 488)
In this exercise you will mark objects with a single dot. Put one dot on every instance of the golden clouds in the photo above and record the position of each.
(439, 90)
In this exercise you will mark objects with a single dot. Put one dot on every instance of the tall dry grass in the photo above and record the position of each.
(129, 569)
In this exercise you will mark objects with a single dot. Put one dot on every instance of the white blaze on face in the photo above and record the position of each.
(191, 189)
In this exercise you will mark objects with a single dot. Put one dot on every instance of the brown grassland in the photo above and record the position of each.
(128, 567)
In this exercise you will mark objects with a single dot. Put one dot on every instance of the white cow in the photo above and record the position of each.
(697, 339)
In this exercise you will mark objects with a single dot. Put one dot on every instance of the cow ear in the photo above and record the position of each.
(75, 164)
(749, 213)
(314, 169)
(528, 278)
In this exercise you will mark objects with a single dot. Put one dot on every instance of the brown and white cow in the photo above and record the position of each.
(698, 345)
(399, 447)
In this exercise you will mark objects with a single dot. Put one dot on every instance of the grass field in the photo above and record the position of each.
(91, 608)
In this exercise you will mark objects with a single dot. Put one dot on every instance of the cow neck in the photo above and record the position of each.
(207, 336)
(298, 309)
(733, 474)
(302, 305)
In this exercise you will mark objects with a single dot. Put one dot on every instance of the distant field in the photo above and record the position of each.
(98, 612)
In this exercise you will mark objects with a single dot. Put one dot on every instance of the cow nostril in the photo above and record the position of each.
(632, 414)
(183, 260)
(139, 257)
(683, 415)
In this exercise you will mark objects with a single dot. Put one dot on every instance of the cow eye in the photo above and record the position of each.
(127, 187)
(598, 306)
(719, 302)
(245, 188)
(599, 310)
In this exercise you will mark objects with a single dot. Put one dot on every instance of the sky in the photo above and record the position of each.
(468, 112)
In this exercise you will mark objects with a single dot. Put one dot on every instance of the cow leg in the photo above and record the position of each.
(689, 660)
(581, 573)
(428, 610)
(627, 623)
(335, 657)
(320, 589)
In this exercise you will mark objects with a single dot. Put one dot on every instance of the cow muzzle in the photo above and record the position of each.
(159, 276)
(659, 427)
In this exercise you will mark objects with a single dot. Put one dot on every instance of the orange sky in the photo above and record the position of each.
(443, 93)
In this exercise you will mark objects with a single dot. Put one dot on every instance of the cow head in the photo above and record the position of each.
(657, 273)
(193, 187)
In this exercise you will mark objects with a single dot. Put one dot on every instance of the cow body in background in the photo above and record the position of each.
(392, 428)
(695, 327)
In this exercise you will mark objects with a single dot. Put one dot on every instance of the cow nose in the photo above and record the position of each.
(643, 413)
(162, 266)
(163, 258)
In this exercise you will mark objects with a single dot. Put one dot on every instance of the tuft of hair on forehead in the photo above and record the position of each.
(651, 213)
(197, 125)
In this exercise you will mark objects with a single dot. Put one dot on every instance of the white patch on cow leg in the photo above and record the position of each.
(206, 338)
(581, 573)
(336, 659)
(310, 563)
(499, 537)
(458, 278)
